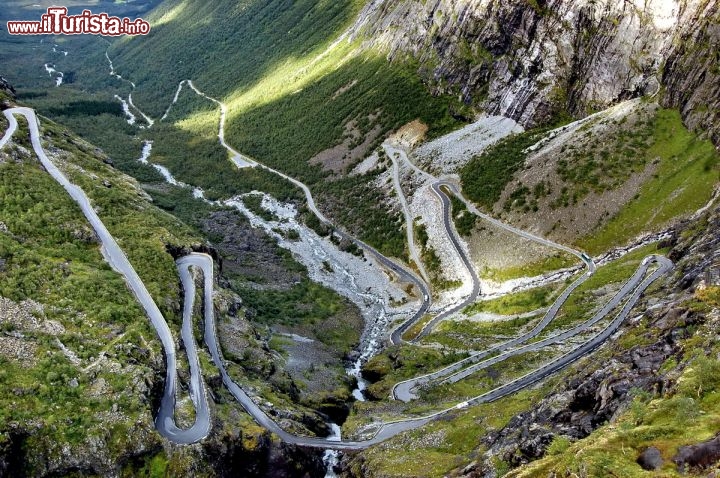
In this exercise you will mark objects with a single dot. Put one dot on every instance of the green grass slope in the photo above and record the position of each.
(611, 181)
(292, 92)
(58, 292)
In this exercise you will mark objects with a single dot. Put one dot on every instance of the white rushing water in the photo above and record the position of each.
(360, 280)
(52, 71)
(126, 109)
(166, 174)
(146, 150)
(169, 178)
(332, 457)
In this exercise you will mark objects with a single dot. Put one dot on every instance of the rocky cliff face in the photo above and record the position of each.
(7, 87)
(531, 59)
(692, 71)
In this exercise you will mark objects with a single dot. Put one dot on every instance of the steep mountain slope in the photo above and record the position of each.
(691, 74)
(532, 60)
(310, 91)
(82, 369)
(598, 194)
(295, 87)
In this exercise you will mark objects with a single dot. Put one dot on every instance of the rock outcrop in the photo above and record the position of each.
(6, 87)
(530, 60)
(700, 455)
(650, 459)
(692, 72)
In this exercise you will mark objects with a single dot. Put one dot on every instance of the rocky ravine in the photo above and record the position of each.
(529, 60)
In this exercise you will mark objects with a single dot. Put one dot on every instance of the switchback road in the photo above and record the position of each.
(165, 422)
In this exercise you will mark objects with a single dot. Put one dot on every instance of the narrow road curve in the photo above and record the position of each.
(165, 422)
(409, 220)
(390, 429)
(452, 234)
(112, 253)
(404, 274)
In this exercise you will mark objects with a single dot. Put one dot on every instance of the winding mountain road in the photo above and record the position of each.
(112, 253)
(165, 422)
(409, 221)
(404, 390)
(404, 274)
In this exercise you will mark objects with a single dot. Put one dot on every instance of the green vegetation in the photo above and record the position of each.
(518, 199)
(600, 167)
(412, 332)
(584, 300)
(401, 363)
(51, 256)
(518, 303)
(195, 157)
(558, 446)
(93, 116)
(685, 175)
(463, 334)
(254, 203)
(364, 210)
(554, 262)
(308, 305)
(274, 73)
(591, 166)
(481, 381)
(710, 295)
(226, 57)
(461, 434)
(464, 221)
(181, 204)
(484, 178)
(682, 415)
(151, 467)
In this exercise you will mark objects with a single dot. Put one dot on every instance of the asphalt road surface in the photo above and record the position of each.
(165, 422)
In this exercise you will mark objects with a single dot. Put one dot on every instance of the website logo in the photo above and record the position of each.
(57, 22)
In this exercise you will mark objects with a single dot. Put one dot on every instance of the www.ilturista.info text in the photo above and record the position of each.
(57, 22)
